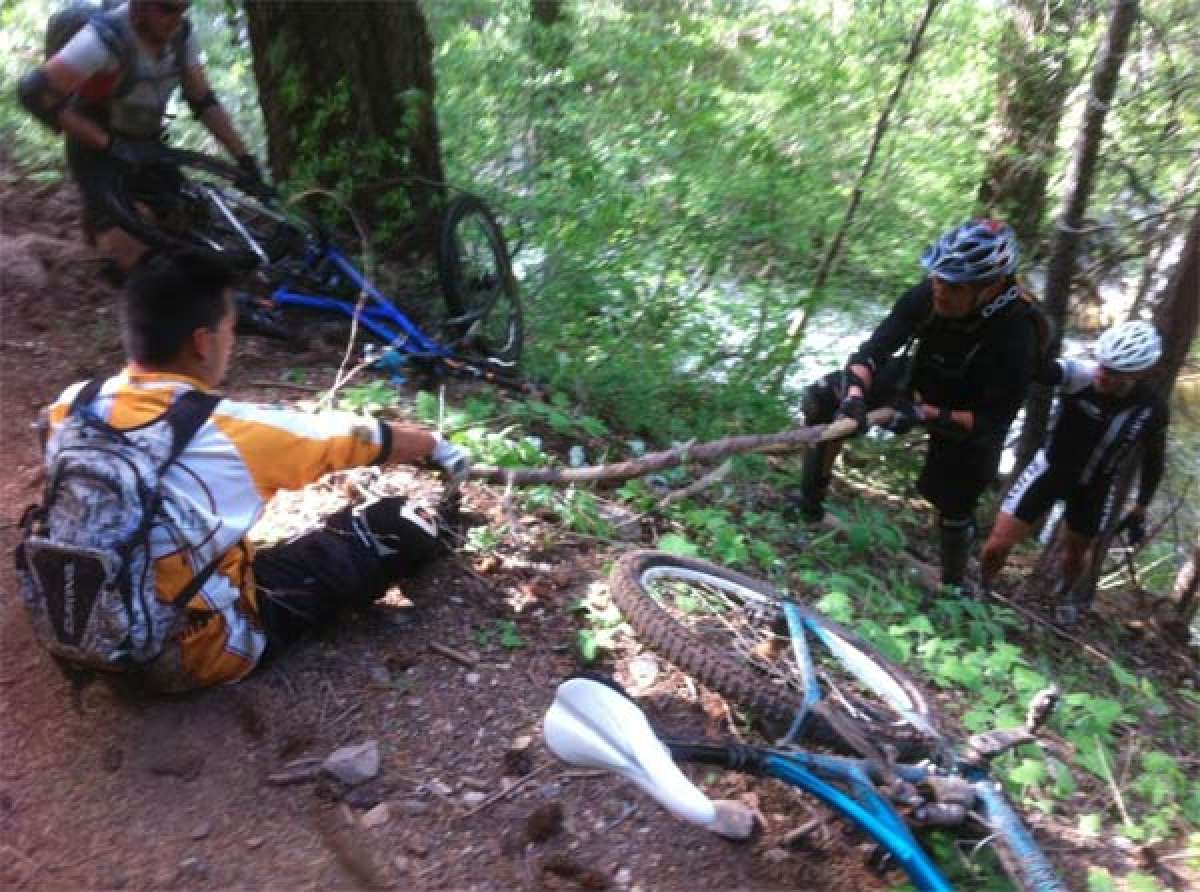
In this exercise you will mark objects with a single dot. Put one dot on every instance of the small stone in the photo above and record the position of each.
(418, 848)
(255, 842)
(473, 677)
(193, 868)
(524, 742)
(410, 806)
(623, 877)
(111, 758)
(377, 817)
(437, 788)
(200, 831)
(353, 765)
(473, 798)
(775, 855)
(401, 864)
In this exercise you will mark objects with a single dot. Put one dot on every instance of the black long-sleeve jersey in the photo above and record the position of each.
(981, 364)
(1095, 431)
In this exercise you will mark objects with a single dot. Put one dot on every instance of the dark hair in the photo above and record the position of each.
(168, 297)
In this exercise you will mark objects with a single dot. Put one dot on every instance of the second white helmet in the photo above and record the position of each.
(1129, 347)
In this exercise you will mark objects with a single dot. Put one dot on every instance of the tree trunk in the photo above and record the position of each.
(1177, 316)
(796, 330)
(1187, 587)
(1067, 230)
(1035, 76)
(347, 92)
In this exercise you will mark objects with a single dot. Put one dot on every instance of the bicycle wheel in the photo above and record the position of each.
(190, 201)
(478, 284)
(728, 630)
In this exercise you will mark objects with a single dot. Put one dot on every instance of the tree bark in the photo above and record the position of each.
(703, 453)
(1067, 230)
(347, 92)
(796, 330)
(1035, 76)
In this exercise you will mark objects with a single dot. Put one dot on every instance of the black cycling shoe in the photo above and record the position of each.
(803, 509)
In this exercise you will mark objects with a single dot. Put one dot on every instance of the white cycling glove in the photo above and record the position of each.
(454, 461)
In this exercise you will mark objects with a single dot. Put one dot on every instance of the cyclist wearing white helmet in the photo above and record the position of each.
(957, 353)
(1106, 410)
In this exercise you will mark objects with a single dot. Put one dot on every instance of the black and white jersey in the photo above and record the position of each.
(1095, 431)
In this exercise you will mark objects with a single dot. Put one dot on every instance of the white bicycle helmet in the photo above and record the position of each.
(1129, 347)
(974, 251)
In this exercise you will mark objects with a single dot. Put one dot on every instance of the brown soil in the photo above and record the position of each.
(101, 788)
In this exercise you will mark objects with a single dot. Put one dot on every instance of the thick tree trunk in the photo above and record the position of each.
(1035, 76)
(347, 92)
(1068, 229)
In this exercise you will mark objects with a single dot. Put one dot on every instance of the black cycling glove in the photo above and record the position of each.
(1133, 525)
(906, 417)
(251, 179)
(854, 408)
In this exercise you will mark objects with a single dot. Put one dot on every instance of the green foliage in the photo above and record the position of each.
(503, 633)
(368, 398)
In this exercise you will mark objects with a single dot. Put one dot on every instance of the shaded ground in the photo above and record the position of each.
(103, 789)
(111, 790)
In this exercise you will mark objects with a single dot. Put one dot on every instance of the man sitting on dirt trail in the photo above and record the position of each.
(957, 353)
(108, 87)
(1108, 408)
(178, 329)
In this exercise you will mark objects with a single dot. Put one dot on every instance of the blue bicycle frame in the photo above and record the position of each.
(849, 787)
(379, 315)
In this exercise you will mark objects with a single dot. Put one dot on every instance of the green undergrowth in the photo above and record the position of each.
(1119, 761)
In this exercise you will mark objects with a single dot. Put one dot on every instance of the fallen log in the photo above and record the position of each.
(697, 453)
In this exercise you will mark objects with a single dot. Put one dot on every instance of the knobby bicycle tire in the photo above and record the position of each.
(191, 201)
(736, 678)
(477, 281)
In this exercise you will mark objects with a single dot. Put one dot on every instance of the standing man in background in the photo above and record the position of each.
(107, 88)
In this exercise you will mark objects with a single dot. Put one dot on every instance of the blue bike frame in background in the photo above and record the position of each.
(379, 315)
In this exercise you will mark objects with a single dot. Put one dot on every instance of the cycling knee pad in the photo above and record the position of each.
(395, 526)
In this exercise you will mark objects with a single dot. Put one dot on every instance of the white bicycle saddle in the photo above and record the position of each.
(593, 726)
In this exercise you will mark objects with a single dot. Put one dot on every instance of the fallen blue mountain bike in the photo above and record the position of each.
(892, 772)
(187, 200)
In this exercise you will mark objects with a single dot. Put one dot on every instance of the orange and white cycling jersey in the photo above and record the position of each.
(214, 493)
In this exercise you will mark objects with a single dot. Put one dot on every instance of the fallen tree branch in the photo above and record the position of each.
(712, 478)
(702, 453)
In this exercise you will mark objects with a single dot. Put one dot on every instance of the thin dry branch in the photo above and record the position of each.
(702, 453)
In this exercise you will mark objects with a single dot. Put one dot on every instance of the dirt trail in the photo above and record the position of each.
(110, 790)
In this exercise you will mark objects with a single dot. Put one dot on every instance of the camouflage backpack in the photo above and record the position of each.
(86, 573)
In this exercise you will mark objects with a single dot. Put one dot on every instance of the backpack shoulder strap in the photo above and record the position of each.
(186, 416)
(86, 396)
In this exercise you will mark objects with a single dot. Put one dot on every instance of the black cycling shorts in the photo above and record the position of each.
(302, 583)
(95, 173)
(1041, 484)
